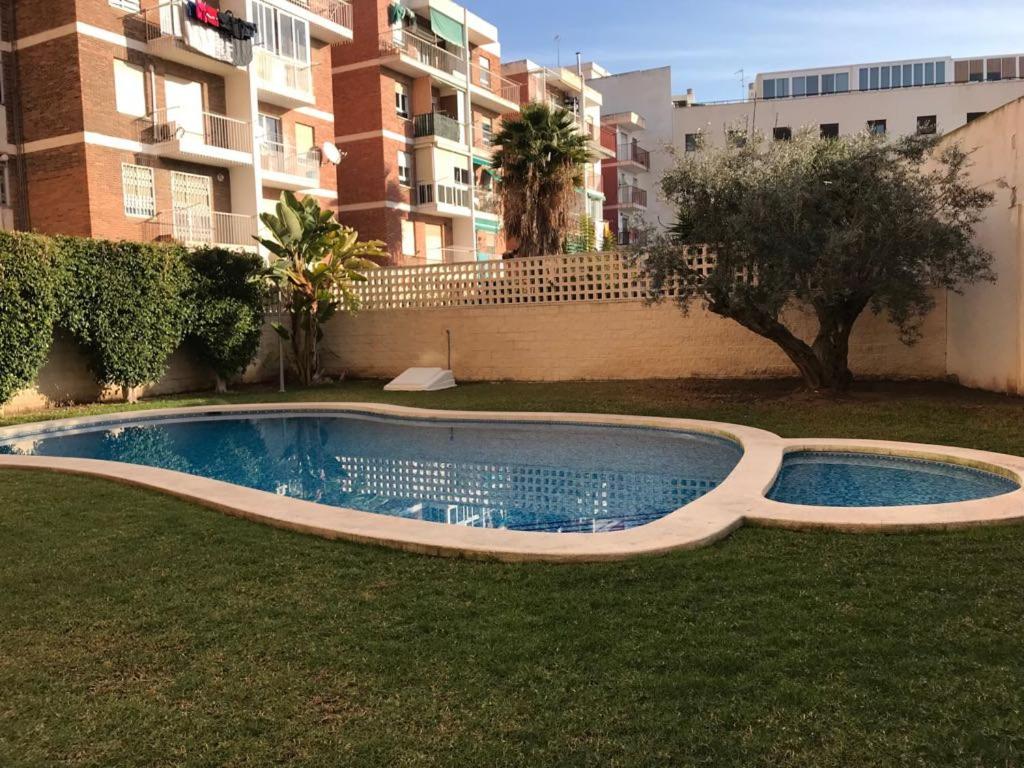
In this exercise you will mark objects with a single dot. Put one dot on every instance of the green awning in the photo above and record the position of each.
(481, 161)
(446, 28)
(483, 225)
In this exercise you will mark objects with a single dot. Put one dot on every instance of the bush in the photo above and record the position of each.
(28, 282)
(125, 304)
(227, 303)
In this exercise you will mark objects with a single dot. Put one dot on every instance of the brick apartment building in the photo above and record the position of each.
(418, 97)
(144, 122)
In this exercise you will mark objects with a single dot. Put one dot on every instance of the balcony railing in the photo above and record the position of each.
(206, 128)
(336, 11)
(198, 225)
(170, 20)
(442, 193)
(395, 42)
(491, 81)
(631, 153)
(278, 72)
(632, 196)
(280, 158)
(437, 124)
(487, 201)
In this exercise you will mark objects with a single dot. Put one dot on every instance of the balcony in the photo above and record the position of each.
(198, 225)
(634, 156)
(198, 137)
(285, 168)
(494, 92)
(632, 197)
(487, 201)
(437, 125)
(329, 20)
(284, 82)
(416, 57)
(170, 34)
(443, 198)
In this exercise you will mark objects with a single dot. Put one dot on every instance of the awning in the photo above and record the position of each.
(446, 28)
(486, 225)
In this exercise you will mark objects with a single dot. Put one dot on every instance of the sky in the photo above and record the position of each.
(708, 43)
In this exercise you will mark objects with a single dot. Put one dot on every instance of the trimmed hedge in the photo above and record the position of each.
(227, 297)
(124, 302)
(28, 308)
(129, 305)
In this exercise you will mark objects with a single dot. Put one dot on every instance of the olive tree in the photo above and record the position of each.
(832, 226)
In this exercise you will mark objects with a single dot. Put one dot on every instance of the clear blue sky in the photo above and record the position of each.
(706, 42)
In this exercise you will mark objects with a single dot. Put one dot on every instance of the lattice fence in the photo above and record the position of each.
(584, 277)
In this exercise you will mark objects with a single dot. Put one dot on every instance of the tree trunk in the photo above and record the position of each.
(798, 351)
(832, 344)
(221, 386)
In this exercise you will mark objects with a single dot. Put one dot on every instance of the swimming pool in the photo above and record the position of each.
(523, 477)
(833, 479)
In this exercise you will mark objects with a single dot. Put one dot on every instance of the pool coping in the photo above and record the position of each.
(739, 499)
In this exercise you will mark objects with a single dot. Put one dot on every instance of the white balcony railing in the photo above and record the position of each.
(207, 128)
(277, 72)
(198, 225)
(401, 42)
(491, 81)
(337, 11)
(280, 158)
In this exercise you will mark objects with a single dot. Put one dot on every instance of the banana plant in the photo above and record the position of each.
(316, 262)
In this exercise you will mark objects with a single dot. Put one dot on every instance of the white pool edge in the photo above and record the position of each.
(739, 499)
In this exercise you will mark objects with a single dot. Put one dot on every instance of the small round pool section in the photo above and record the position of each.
(833, 479)
(518, 476)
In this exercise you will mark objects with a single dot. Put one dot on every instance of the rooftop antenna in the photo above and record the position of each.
(558, 50)
(743, 80)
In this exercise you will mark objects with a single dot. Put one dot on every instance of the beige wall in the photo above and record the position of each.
(985, 323)
(614, 340)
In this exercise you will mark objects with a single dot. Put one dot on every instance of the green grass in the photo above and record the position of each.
(137, 630)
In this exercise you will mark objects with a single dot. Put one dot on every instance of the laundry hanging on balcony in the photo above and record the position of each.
(446, 28)
(215, 34)
(399, 14)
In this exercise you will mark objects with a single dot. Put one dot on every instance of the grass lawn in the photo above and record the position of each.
(137, 630)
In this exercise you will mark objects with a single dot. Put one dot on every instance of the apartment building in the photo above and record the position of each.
(638, 112)
(933, 95)
(418, 97)
(570, 90)
(166, 120)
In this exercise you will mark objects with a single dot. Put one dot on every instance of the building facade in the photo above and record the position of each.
(418, 97)
(935, 95)
(171, 121)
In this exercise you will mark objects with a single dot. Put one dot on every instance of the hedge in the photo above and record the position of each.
(129, 305)
(28, 308)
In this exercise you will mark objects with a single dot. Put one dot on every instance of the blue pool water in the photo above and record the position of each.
(866, 480)
(529, 477)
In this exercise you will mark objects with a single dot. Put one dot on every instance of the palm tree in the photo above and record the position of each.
(541, 156)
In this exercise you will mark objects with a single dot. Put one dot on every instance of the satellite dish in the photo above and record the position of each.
(331, 153)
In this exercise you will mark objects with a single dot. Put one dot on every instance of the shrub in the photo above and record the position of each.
(227, 303)
(28, 283)
(125, 304)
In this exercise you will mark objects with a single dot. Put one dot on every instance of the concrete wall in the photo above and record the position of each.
(615, 340)
(986, 339)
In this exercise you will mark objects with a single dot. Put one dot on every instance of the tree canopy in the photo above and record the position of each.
(541, 155)
(833, 226)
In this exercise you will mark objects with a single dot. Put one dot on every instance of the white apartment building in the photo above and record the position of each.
(934, 95)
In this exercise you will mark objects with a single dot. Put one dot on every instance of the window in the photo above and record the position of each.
(401, 100)
(281, 33)
(897, 76)
(485, 72)
(994, 70)
(908, 75)
(782, 133)
(693, 142)
(929, 73)
(927, 125)
(5, 196)
(272, 129)
(408, 238)
(129, 89)
(487, 131)
(940, 73)
(863, 78)
(775, 88)
(138, 190)
(887, 77)
(829, 130)
(404, 169)
(972, 116)
(874, 78)
(305, 139)
(876, 127)
(461, 175)
(842, 82)
(126, 5)
(828, 83)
